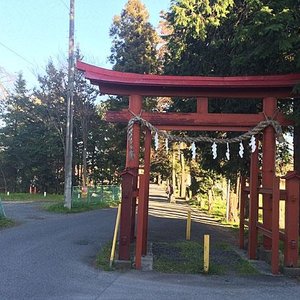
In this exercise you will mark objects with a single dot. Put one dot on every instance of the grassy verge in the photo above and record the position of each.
(30, 197)
(77, 207)
(5, 222)
(187, 257)
(102, 259)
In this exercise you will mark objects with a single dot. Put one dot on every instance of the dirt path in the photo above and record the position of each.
(167, 223)
(159, 207)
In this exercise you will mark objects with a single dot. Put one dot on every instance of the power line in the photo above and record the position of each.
(64, 4)
(16, 53)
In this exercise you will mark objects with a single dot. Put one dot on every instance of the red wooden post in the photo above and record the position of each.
(133, 204)
(275, 225)
(268, 166)
(202, 105)
(140, 223)
(125, 222)
(135, 106)
(243, 198)
(148, 138)
(129, 184)
(291, 219)
(253, 205)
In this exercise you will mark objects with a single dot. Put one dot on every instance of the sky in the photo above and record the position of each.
(33, 31)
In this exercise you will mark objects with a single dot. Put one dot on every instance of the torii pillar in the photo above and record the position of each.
(129, 187)
(268, 166)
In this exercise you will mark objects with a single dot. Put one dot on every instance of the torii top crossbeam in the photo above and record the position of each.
(122, 83)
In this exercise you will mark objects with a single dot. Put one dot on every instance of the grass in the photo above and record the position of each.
(30, 197)
(78, 206)
(5, 222)
(187, 257)
(103, 257)
(178, 257)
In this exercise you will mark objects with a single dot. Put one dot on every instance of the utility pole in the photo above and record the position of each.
(69, 129)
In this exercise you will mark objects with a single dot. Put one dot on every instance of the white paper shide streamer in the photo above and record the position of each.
(193, 148)
(167, 145)
(214, 150)
(228, 152)
(241, 151)
(252, 143)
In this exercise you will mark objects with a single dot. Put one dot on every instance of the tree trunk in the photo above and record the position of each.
(183, 177)
(210, 200)
(234, 203)
(84, 151)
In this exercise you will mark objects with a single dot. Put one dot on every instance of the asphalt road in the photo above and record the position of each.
(50, 256)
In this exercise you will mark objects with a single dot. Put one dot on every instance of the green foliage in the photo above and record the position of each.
(250, 37)
(5, 223)
(32, 139)
(77, 207)
(30, 197)
(103, 257)
(134, 49)
(161, 163)
(134, 46)
(194, 16)
(187, 257)
(178, 257)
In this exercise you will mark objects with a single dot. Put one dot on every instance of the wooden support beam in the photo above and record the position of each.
(292, 219)
(243, 199)
(148, 138)
(140, 222)
(129, 186)
(125, 223)
(202, 105)
(275, 226)
(253, 205)
(184, 120)
(203, 128)
(121, 83)
(268, 166)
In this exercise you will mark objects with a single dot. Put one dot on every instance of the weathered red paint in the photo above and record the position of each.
(148, 138)
(202, 105)
(120, 83)
(192, 119)
(125, 221)
(253, 205)
(243, 199)
(275, 225)
(291, 219)
(140, 222)
(268, 167)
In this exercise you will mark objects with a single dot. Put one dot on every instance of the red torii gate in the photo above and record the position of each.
(136, 86)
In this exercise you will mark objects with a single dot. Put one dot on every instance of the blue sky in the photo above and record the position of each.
(38, 29)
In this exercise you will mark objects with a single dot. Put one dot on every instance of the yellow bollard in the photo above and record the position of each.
(113, 247)
(188, 225)
(206, 253)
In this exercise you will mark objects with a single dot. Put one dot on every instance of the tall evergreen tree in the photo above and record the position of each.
(134, 49)
(134, 45)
